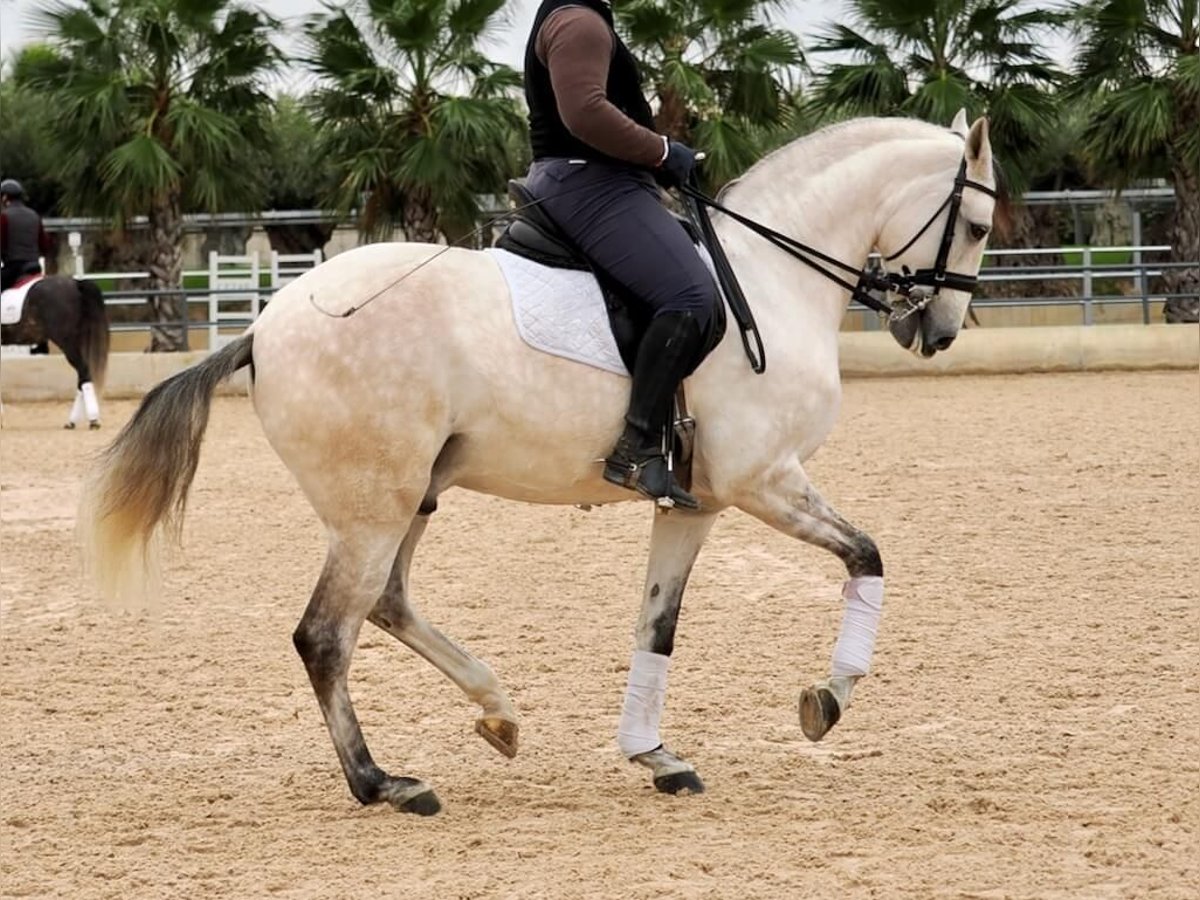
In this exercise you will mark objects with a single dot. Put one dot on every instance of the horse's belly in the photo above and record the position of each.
(566, 474)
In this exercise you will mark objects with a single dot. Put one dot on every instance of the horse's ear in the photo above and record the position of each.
(959, 125)
(979, 148)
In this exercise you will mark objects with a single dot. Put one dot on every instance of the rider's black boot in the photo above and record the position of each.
(668, 352)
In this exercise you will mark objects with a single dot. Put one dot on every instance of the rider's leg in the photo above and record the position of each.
(615, 214)
(668, 352)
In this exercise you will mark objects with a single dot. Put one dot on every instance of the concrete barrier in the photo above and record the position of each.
(996, 351)
(978, 351)
(129, 375)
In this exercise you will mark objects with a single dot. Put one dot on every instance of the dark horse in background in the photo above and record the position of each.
(70, 314)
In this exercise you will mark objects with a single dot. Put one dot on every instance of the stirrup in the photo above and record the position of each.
(632, 474)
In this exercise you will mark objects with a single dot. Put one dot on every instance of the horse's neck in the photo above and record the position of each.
(828, 204)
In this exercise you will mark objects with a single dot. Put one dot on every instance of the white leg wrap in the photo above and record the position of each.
(644, 699)
(89, 401)
(860, 622)
(76, 415)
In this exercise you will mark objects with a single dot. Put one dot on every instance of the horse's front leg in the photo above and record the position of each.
(787, 501)
(675, 541)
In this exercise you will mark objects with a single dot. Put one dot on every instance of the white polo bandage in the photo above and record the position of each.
(76, 409)
(644, 698)
(90, 404)
(860, 622)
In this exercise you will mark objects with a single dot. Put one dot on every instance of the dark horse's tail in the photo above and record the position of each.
(141, 480)
(93, 330)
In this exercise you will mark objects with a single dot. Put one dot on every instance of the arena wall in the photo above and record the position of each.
(863, 354)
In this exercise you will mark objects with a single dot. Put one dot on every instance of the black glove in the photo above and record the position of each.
(679, 164)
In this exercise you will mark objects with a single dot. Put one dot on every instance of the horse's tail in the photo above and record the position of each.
(141, 481)
(93, 331)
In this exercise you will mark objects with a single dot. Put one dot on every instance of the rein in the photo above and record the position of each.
(905, 284)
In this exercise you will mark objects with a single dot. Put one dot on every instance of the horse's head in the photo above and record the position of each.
(935, 237)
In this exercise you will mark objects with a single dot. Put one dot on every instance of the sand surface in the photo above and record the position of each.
(1030, 730)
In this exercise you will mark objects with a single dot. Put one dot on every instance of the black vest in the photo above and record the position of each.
(547, 133)
(21, 245)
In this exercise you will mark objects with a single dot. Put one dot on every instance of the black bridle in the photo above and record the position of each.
(918, 288)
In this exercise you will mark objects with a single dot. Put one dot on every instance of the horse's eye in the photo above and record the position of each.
(979, 232)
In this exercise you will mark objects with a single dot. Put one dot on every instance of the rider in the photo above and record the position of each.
(597, 162)
(22, 237)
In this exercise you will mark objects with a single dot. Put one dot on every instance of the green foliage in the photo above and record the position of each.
(26, 148)
(295, 171)
(153, 101)
(416, 120)
(722, 74)
(929, 58)
(1138, 77)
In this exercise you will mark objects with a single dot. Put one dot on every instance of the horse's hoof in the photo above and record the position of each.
(426, 804)
(819, 711)
(412, 796)
(70, 426)
(500, 733)
(94, 425)
(679, 783)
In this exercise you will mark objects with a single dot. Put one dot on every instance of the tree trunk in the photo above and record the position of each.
(227, 240)
(1034, 227)
(303, 238)
(420, 217)
(1185, 248)
(169, 309)
(672, 117)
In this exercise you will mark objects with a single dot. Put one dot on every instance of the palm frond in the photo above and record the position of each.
(139, 170)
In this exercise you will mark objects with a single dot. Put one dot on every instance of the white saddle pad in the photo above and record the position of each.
(12, 302)
(562, 312)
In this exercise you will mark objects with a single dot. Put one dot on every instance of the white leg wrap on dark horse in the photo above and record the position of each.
(860, 622)
(645, 696)
(90, 404)
(76, 415)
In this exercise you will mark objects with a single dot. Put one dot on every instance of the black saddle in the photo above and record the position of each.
(533, 235)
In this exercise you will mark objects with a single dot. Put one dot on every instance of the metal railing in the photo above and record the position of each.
(1144, 265)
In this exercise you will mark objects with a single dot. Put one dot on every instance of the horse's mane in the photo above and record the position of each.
(836, 141)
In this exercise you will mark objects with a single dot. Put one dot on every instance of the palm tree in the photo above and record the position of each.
(722, 74)
(929, 58)
(1139, 75)
(157, 106)
(417, 121)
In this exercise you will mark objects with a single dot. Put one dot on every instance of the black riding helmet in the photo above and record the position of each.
(10, 187)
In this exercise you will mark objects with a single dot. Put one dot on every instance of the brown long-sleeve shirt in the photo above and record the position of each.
(576, 45)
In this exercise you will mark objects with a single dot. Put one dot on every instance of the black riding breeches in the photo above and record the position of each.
(614, 215)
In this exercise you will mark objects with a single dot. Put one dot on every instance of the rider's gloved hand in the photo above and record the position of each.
(678, 164)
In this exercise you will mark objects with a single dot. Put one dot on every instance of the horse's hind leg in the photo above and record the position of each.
(788, 502)
(675, 540)
(394, 613)
(85, 396)
(356, 569)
